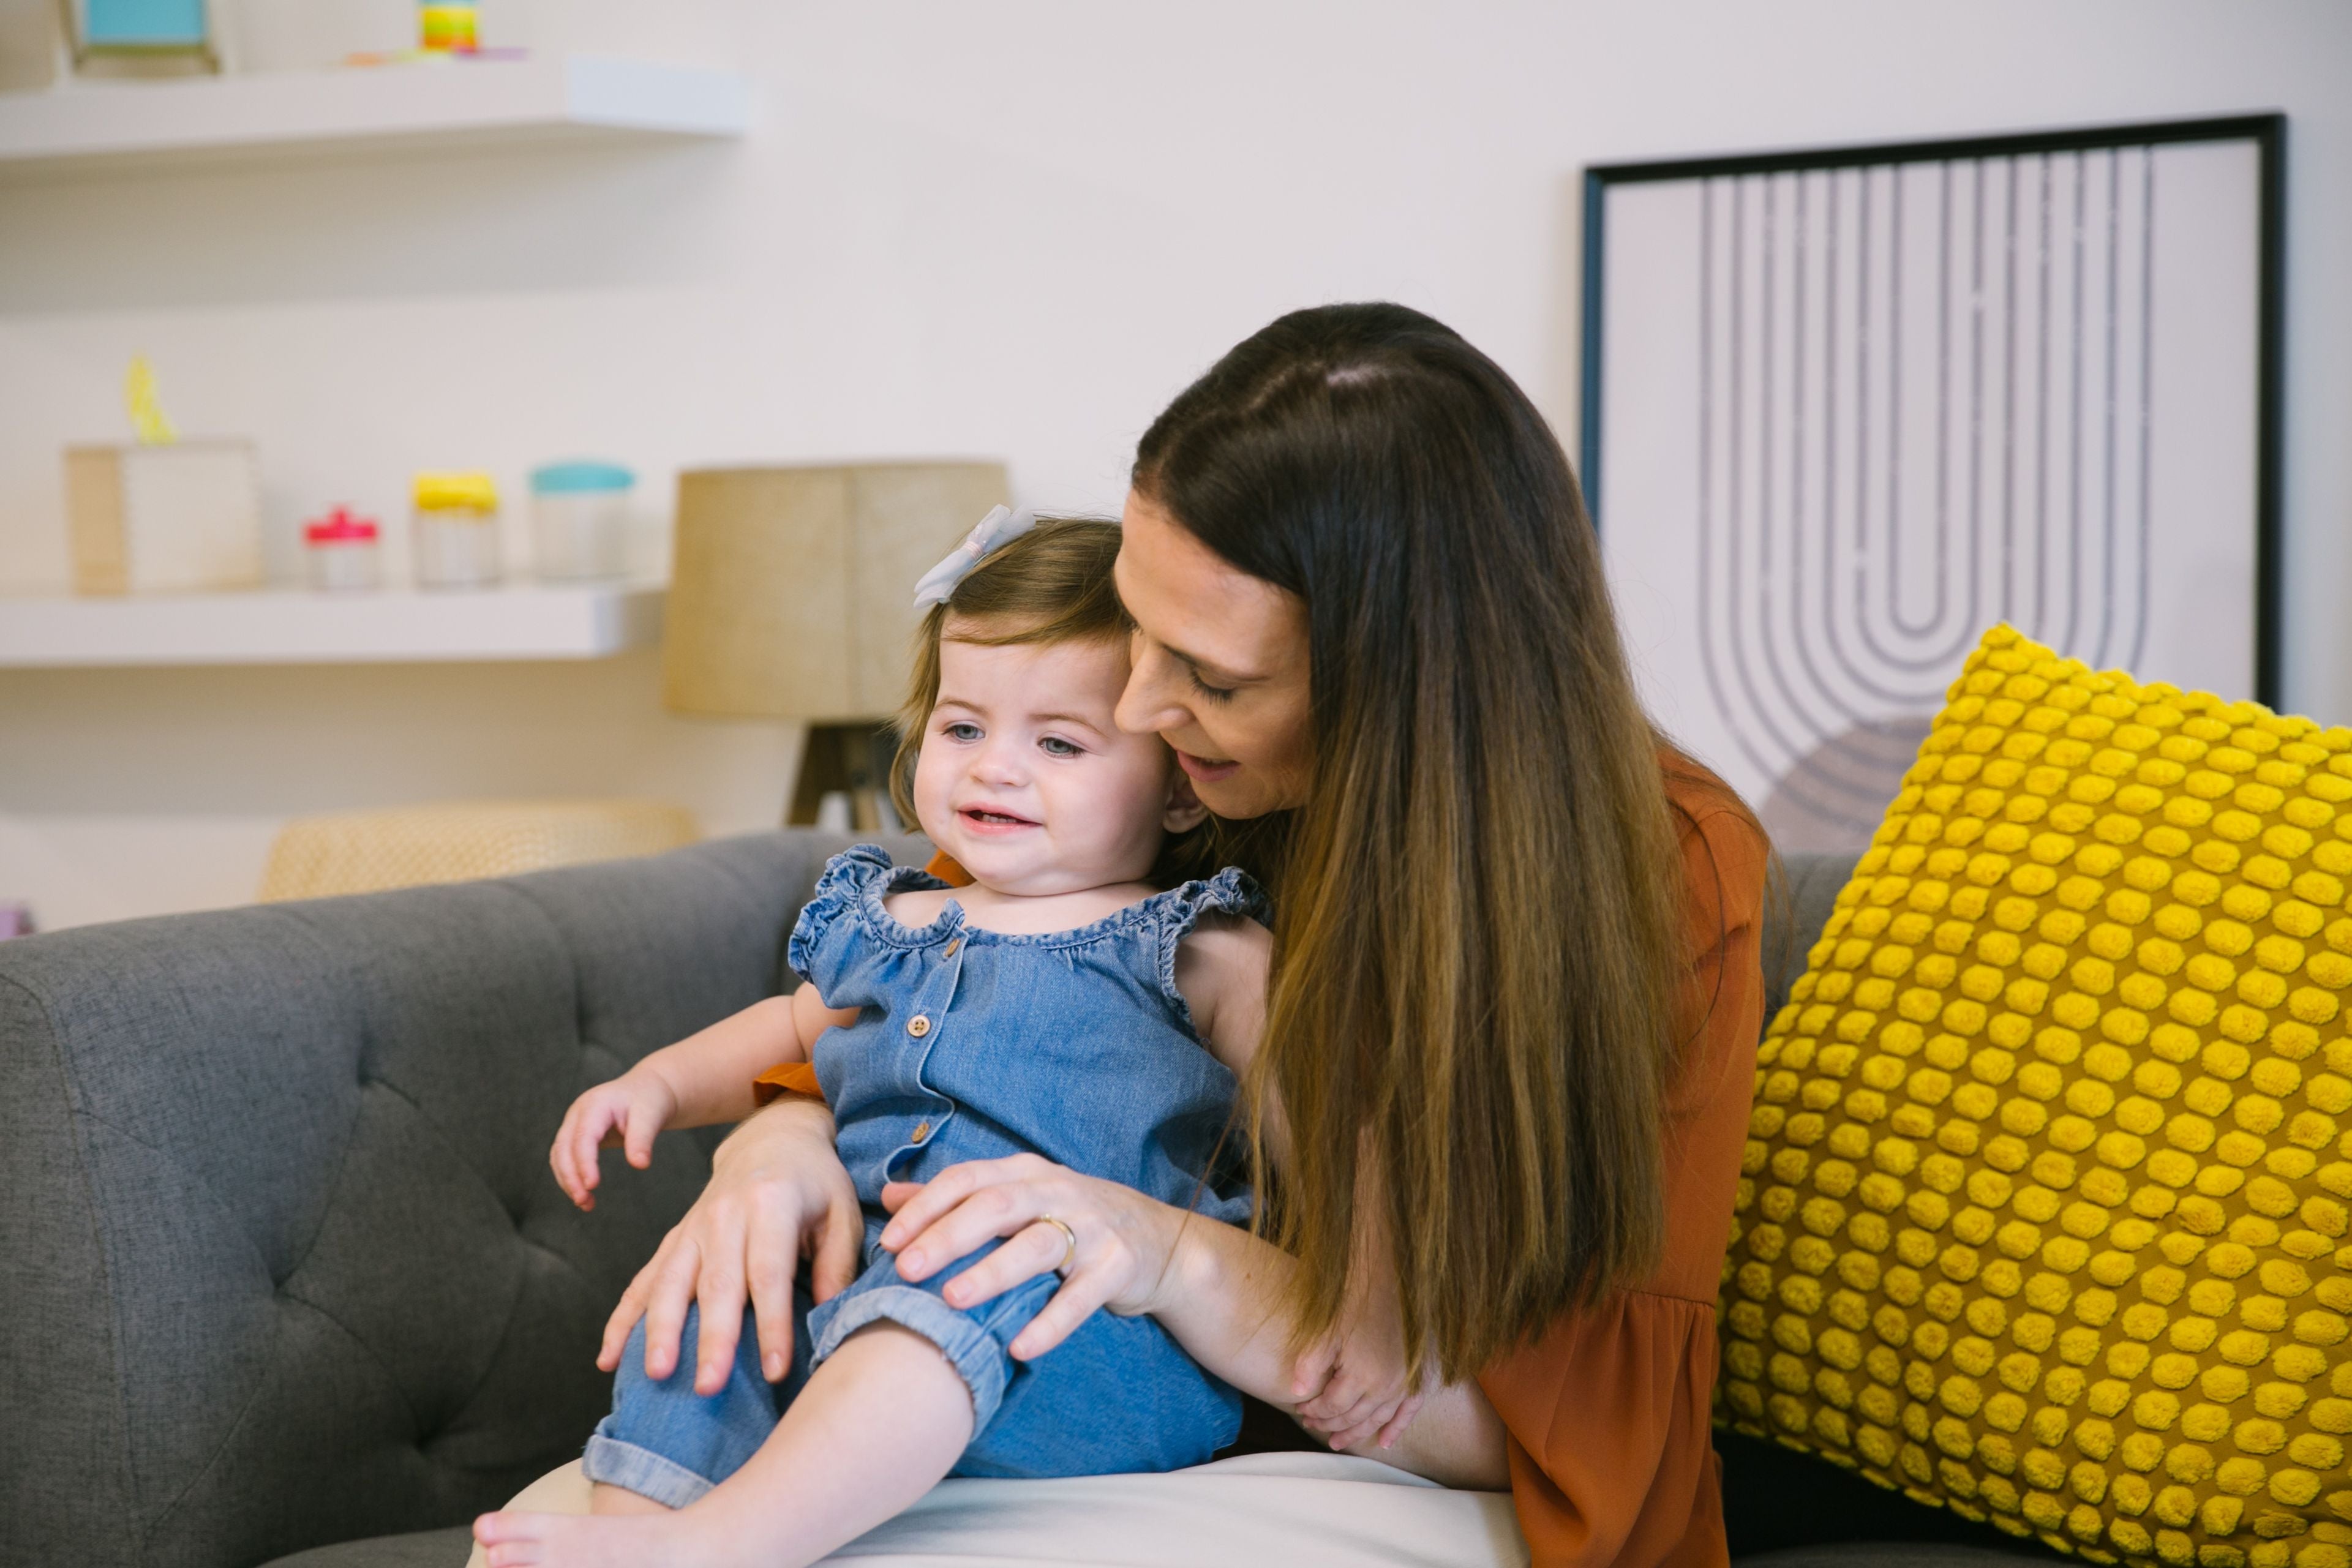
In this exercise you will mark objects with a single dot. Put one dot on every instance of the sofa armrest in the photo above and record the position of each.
(283, 1259)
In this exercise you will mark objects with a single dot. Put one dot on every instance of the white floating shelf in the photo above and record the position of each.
(570, 96)
(542, 622)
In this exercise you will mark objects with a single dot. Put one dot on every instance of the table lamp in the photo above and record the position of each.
(791, 596)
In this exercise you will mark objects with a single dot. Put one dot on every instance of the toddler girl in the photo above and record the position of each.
(1060, 1006)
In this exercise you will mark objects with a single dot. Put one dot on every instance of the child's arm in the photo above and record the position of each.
(1221, 968)
(703, 1079)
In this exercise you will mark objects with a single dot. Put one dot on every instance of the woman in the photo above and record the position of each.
(1510, 1031)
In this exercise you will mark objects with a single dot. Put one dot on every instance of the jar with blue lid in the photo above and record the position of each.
(580, 521)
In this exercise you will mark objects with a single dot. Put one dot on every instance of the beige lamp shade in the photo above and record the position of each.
(792, 592)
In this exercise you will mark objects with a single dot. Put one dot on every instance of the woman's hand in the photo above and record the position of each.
(625, 1113)
(1216, 1288)
(778, 1192)
(1123, 1240)
(1351, 1384)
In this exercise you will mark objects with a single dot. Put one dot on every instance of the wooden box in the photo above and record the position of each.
(165, 519)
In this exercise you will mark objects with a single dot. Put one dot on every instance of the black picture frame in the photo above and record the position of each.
(2267, 129)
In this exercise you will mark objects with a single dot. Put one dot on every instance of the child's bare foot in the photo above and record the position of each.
(608, 1541)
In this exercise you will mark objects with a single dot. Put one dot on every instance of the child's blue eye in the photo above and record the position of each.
(962, 731)
(1055, 745)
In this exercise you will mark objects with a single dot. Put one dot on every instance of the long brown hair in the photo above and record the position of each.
(1481, 925)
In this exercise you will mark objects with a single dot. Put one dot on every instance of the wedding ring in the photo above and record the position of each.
(1070, 1240)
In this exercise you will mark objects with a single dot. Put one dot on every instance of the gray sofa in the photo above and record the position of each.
(286, 1278)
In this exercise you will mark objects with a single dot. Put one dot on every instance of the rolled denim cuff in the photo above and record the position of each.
(971, 1349)
(611, 1462)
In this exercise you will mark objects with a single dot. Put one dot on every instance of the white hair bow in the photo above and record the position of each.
(1001, 524)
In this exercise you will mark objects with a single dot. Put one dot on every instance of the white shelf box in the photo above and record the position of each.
(416, 104)
(294, 627)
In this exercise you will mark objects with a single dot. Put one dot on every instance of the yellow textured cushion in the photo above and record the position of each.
(2044, 1209)
(367, 851)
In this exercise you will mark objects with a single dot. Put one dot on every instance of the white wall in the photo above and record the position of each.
(1012, 229)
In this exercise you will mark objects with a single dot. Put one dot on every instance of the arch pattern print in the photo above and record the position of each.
(1857, 406)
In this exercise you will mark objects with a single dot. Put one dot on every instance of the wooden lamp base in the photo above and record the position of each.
(852, 758)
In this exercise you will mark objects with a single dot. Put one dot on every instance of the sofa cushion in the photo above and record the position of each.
(1318, 1507)
(421, 1548)
(1777, 1498)
(2044, 1199)
(1884, 1555)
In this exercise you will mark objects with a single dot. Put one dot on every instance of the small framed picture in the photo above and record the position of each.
(1846, 409)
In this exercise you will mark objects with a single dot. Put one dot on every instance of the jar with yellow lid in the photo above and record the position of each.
(448, 26)
(456, 530)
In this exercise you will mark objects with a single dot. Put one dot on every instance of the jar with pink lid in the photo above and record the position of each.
(340, 552)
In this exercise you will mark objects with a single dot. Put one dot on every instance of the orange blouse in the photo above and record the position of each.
(1608, 1413)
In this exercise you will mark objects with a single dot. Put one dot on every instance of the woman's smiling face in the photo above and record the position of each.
(1220, 667)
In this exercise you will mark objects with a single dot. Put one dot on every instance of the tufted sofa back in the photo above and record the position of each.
(280, 1257)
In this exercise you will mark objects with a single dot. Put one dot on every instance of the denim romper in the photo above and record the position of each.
(973, 1045)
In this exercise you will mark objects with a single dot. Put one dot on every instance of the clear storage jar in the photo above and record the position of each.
(456, 533)
(341, 552)
(580, 521)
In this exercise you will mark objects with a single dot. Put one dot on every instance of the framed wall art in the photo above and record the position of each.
(1846, 409)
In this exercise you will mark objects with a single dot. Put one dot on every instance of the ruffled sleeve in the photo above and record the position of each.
(846, 877)
(1609, 1411)
(839, 892)
(1231, 891)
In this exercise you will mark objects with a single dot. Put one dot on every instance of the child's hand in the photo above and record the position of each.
(625, 1113)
